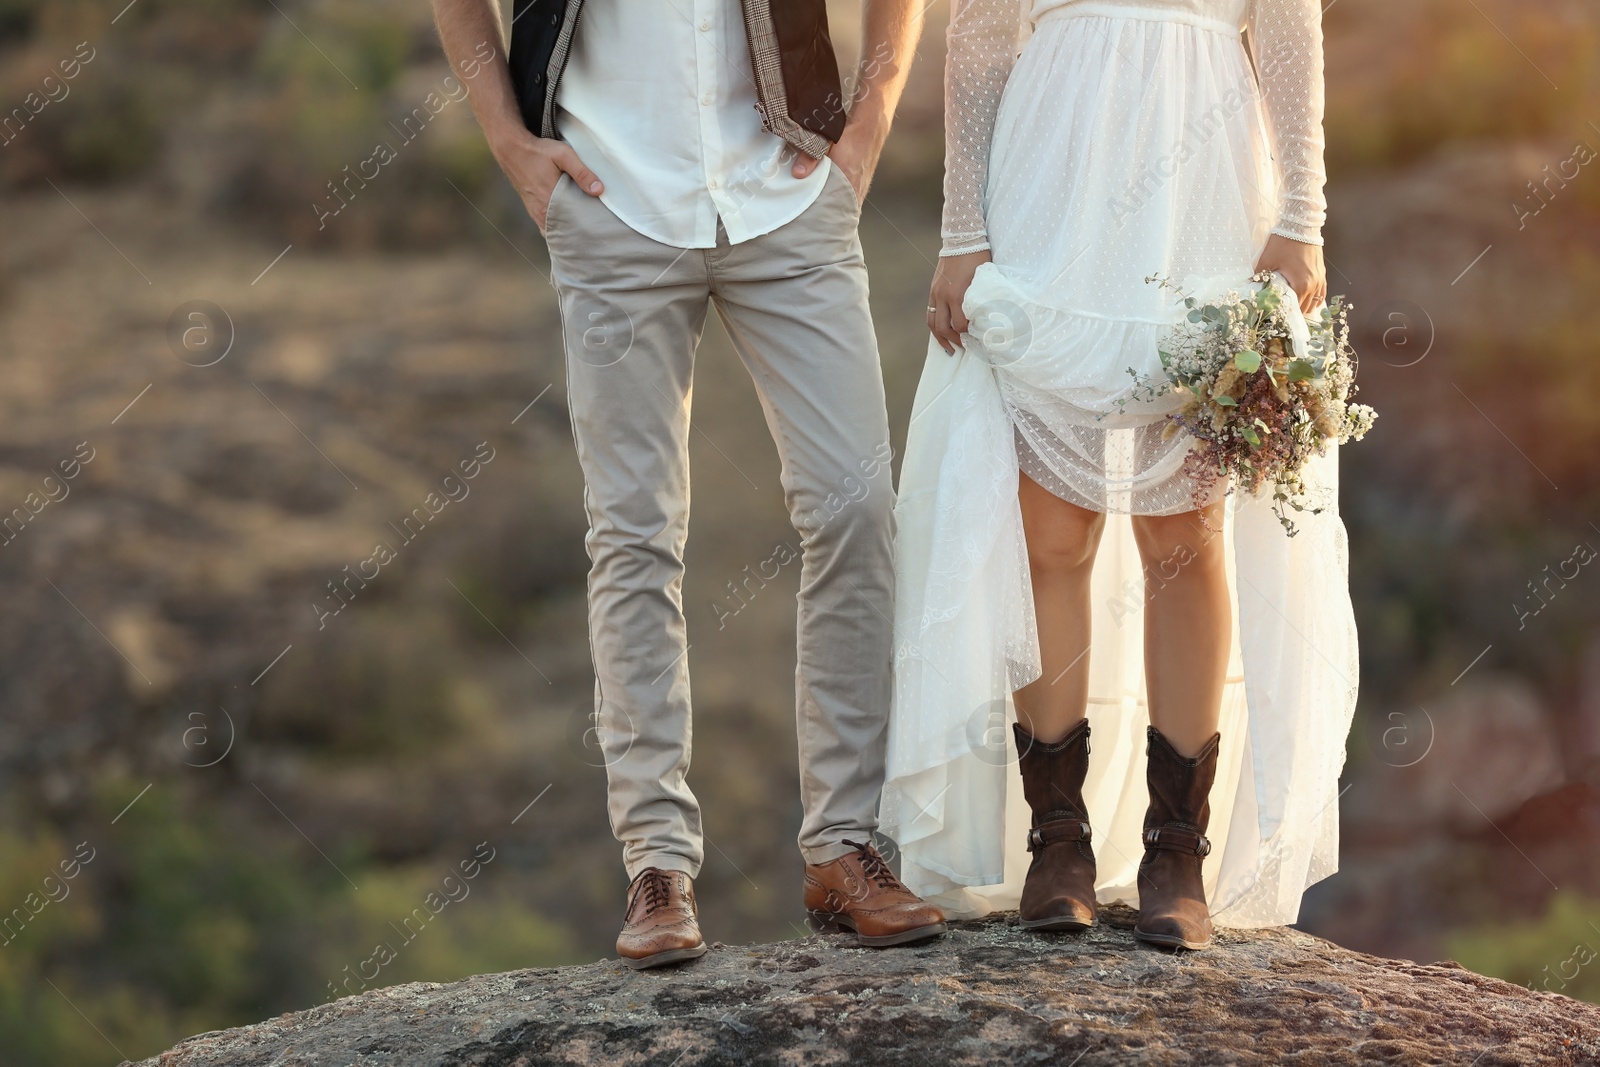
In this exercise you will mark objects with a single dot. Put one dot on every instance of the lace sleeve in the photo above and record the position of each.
(1286, 41)
(983, 40)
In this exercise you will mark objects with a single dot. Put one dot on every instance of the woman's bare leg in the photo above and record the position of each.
(1187, 623)
(1062, 539)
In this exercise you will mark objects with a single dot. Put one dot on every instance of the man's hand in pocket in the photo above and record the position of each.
(535, 164)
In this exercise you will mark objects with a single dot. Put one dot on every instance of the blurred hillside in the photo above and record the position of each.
(254, 382)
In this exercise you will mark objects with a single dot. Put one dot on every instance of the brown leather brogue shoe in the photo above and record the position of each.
(1058, 893)
(859, 892)
(1173, 911)
(663, 925)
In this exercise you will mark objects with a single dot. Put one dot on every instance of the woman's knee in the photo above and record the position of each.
(1064, 540)
(1178, 539)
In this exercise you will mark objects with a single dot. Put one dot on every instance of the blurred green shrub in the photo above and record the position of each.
(1438, 72)
(189, 918)
(268, 111)
(114, 130)
(361, 42)
(374, 683)
(18, 19)
(479, 930)
(333, 107)
(102, 124)
(1559, 953)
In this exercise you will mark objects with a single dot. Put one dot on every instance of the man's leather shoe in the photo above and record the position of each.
(859, 892)
(663, 924)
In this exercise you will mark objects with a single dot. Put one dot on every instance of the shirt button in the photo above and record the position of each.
(705, 25)
(706, 99)
(712, 184)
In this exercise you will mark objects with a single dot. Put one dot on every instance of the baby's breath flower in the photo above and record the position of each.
(1256, 409)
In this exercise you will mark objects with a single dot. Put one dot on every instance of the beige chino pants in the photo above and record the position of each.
(794, 302)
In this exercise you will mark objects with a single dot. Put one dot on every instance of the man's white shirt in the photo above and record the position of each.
(658, 99)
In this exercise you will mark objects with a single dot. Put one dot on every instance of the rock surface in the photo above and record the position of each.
(987, 993)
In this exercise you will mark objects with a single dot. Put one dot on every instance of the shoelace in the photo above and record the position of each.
(874, 866)
(656, 890)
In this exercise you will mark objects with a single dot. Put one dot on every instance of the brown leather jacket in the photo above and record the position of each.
(791, 58)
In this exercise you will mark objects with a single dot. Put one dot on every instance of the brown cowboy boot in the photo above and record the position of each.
(859, 892)
(1059, 891)
(1172, 899)
(663, 924)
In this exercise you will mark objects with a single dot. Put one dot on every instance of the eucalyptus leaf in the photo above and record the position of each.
(1248, 361)
(1225, 401)
(1301, 371)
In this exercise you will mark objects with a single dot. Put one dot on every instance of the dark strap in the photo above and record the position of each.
(1177, 839)
(1057, 831)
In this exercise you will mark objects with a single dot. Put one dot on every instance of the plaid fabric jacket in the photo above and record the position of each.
(791, 57)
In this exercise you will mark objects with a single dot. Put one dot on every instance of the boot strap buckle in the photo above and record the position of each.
(1177, 839)
(1058, 830)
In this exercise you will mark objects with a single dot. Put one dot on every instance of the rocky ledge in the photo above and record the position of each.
(986, 993)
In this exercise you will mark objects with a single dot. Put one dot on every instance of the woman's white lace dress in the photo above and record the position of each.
(1092, 144)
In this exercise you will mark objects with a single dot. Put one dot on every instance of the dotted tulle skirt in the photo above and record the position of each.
(1125, 147)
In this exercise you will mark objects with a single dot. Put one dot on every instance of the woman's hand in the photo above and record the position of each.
(1301, 265)
(950, 282)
